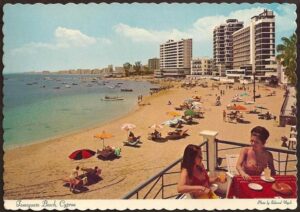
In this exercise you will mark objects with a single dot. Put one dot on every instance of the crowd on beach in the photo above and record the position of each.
(194, 178)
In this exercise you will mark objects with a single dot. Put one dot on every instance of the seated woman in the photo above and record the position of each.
(193, 177)
(254, 159)
(132, 138)
(74, 178)
(156, 134)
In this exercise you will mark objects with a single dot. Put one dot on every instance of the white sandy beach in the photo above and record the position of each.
(36, 171)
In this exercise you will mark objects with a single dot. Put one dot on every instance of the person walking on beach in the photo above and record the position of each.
(224, 115)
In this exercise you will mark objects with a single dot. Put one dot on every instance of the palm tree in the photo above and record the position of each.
(137, 67)
(287, 57)
(127, 67)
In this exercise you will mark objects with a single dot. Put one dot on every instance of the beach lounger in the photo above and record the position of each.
(177, 135)
(134, 143)
(106, 154)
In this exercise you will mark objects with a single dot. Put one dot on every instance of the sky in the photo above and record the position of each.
(58, 37)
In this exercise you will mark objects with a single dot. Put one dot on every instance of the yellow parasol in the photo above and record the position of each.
(103, 136)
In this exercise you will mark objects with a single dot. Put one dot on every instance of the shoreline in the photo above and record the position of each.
(95, 126)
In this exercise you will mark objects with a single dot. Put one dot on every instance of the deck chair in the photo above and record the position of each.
(231, 160)
(132, 143)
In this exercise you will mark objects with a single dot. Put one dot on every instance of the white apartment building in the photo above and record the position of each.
(175, 58)
(201, 66)
(254, 46)
(262, 45)
(223, 45)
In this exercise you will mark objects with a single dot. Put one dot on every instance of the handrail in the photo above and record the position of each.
(267, 148)
(142, 185)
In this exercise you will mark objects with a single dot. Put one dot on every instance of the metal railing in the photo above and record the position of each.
(160, 177)
(277, 157)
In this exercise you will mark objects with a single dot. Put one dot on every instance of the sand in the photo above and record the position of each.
(35, 171)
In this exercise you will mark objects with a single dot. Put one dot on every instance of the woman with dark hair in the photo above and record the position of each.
(193, 177)
(254, 159)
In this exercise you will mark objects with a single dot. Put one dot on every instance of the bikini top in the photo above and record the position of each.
(204, 181)
(253, 171)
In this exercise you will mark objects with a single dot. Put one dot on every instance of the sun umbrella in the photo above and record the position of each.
(189, 113)
(238, 107)
(189, 100)
(128, 126)
(82, 154)
(173, 113)
(244, 94)
(103, 136)
(197, 104)
(156, 126)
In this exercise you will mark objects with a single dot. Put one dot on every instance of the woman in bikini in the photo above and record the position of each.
(254, 159)
(193, 177)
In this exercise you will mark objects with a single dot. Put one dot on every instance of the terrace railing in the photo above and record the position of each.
(283, 159)
(158, 181)
(214, 151)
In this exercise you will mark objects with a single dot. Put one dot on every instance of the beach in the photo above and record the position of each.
(36, 171)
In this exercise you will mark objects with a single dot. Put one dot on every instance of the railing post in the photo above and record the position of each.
(162, 186)
(210, 136)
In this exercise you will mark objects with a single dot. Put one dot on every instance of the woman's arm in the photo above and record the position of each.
(183, 187)
(239, 168)
(271, 164)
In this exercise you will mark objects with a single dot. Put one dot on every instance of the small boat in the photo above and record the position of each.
(68, 86)
(112, 98)
(74, 83)
(120, 83)
(126, 90)
(110, 86)
(56, 87)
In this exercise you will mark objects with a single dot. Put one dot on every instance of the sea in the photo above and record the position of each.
(38, 107)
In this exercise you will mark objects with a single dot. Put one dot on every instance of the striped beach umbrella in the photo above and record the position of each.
(82, 154)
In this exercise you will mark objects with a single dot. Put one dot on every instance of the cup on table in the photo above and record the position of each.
(222, 177)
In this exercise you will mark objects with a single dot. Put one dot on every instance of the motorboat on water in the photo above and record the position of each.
(112, 98)
(126, 90)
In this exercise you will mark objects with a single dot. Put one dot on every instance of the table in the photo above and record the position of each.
(239, 187)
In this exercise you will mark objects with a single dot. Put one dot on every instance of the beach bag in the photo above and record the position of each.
(118, 151)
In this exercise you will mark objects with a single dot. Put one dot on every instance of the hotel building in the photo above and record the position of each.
(175, 58)
(153, 64)
(201, 66)
(254, 46)
(223, 45)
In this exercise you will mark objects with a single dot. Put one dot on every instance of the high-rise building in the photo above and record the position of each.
(254, 46)
(241, 47)
(153, 64)
(262, 44)
(223, 45)
(201, 66)
(175, 58)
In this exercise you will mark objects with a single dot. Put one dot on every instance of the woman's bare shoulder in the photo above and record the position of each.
(245, 149)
